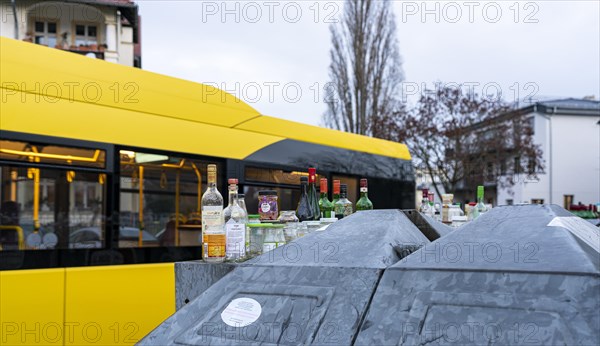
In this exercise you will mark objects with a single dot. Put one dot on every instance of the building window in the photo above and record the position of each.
(531, 125)
(509, 202)
(86, 34)
(568, 201)
(45, 33)
(537, 201)
(517, 165)
(503, 167)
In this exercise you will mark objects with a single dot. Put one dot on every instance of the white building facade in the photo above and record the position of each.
(568, 133)
(104, 29)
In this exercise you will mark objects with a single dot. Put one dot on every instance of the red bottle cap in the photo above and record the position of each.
(336, 187)
(363, 182)
(312, 172)
(425, 193)
(232, 181)
(323, 185)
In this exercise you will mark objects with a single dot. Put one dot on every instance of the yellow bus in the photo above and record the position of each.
(102, 168)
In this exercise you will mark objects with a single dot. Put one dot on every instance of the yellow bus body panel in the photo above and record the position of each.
(85, 121)
(118, 305)
(319, 135)
(53, 72)
(32, 306)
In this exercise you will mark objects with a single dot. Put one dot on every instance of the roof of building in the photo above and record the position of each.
(571, 103)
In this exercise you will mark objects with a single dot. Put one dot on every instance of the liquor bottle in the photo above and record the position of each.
(234, 219)
(424, 202)
(213, 234)
(325, 206)
(364, 203)
(431, 207)
(313, 198)
(304, 210)
(480, 208)
(343, 207)
(336, 191)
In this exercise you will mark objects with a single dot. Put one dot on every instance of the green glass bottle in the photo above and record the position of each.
(336, 191)
(480, 208)
(325, 206)
(363, 202)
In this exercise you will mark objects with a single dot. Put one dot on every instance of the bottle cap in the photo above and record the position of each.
(232, 181)
(363, 182)
(480, 191)
(312, 171)
(336, 187)
(211, 168)
(425, 193)
(267, 193)
(323, 185)
(343, 188)
(303, 179)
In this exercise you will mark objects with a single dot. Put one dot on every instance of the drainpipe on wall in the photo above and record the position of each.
(549, 118)
(14, 8)
(118, 33)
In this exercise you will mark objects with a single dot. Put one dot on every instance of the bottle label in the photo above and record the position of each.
(211, 217)
(363, 189)
(347, 210)
(265, 207)
(214, 245)
(235, 235)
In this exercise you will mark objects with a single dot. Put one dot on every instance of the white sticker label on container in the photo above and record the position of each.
(265, 207)
(580, 228)
(241, 312)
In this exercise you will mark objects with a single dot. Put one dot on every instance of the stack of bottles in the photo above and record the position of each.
(450, 213)
(232, 234)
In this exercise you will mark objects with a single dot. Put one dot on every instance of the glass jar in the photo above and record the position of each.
(254, 236)
(286, 216)
(273, 236)
(446, 203)
(268, 208)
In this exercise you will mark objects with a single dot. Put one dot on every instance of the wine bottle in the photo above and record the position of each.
(325, 206)
(336, 191)
(213, 234)
(480, 208)
(313, 198)
(235, 219)
(364, 203)
(304, 211)
(343, 207)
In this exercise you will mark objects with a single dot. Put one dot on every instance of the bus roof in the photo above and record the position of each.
(92, 99)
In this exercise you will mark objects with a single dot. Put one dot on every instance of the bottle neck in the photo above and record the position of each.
(212, 180)
(480, 199)
(323, 194)
(304, 188)
(233, 196)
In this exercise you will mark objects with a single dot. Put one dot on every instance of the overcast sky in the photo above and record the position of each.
(275, 54)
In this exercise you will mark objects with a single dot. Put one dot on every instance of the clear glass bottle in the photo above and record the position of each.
(304, 210)
(242, 202)
(235, 220)
(480, 208)
(364, 203)
(336, 191)
(343, 207)
(325, 206)
(213, 233)
(313, 198)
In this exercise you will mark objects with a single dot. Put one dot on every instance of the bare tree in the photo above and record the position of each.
(466, 140)
(365, 69)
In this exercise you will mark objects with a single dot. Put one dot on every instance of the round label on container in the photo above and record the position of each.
(241, 312)
(265, 207)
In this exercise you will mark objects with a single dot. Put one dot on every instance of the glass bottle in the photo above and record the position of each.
(242, 202)
(213, 233)
(336, 191)
(424, 202)
(364, 203)
(480, 208)
(343, 207)
(431, 207)
(325, 206)
(304, 210)
(234, 219)
(313, 198)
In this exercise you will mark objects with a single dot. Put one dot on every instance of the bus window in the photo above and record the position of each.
(51, 208)
(160, 200)
(52, 154)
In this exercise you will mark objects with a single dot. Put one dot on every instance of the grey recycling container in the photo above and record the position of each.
(517, 275)
(315, 290)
